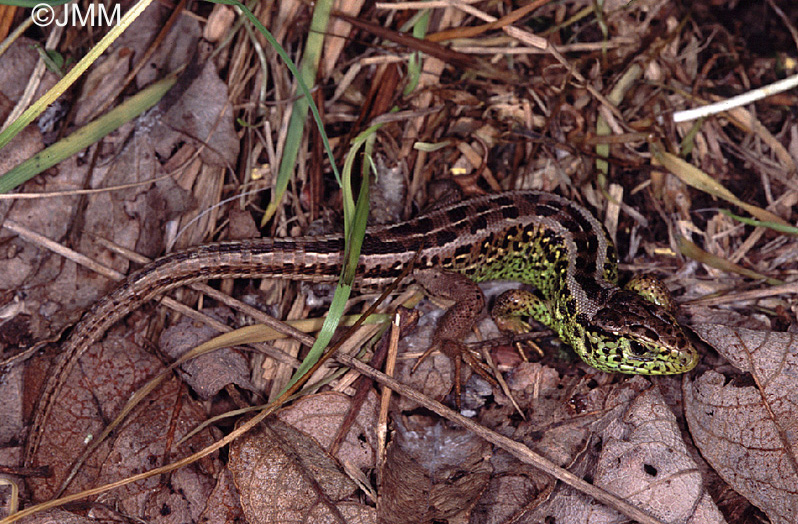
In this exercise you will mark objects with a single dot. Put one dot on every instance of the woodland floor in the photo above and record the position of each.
(575, 98)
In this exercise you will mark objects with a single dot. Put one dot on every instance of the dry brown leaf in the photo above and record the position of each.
(223, 505)
(433, 472)
(173, 53)
(11, 388)
(133, 218)
(549, 403)
(17, 65)
(94, 393)
(27, 143)
(747, 426)
(320, 416)
(58, 291)
(356, 513)
(201, 114)
(141, 444)
(102, 81)
(645, 459)
(434, 375)
(283, 475)
(242, 225)
(95, 390)
(634, 449)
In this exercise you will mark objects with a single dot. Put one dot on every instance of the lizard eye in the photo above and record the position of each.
(638, 349)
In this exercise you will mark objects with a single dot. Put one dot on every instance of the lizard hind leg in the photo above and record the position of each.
(457, 322)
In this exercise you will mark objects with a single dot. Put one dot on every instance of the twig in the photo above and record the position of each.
(736, 101)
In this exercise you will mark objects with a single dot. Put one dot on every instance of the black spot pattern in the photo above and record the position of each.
(371, 245)
(570, 304)
(591, 287)
(424, 224)
(478, 224)
(546, 211)
(510, 213)
(505, 201)
(568, 223)
(462, 251)
(445, 237)
(591, 241)
(456, 214)
(403, 229)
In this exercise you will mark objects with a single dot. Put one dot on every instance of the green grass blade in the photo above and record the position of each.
(775, 226)
(414, 65)
(355, 215)
(86, 135)
(355, 218)
(354, 242)
(299, 115)
(58, 89)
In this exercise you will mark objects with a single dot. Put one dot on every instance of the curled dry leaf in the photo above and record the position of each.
(208, 373)
(223, 505)
(748, 430)
(433, 473)
(283, 475)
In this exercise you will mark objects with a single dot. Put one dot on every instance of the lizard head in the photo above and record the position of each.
(631, 334)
